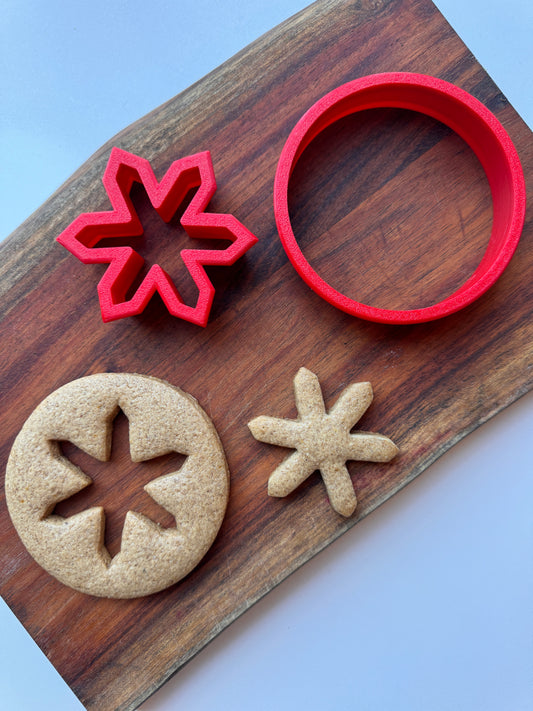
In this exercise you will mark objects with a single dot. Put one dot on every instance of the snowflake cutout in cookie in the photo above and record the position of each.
(323, 440)
(82, 236)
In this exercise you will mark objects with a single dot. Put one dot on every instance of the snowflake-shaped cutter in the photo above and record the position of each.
(84, 233)
(323, 440)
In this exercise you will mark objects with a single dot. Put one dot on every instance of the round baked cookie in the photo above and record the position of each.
(162, 419)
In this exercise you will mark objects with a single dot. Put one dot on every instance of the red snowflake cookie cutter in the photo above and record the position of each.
(123, 169)
(465, 115)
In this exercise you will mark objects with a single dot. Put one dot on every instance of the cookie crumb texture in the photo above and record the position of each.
(162, 419)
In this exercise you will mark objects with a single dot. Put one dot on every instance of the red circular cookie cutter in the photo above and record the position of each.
(465, 115)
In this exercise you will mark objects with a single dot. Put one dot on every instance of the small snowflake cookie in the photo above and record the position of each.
(162, 419)
(323, 440)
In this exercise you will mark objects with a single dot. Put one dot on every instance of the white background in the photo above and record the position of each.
(427, 605)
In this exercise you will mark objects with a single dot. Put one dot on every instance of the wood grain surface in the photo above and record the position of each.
(389, 206)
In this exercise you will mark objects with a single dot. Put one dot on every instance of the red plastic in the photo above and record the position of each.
(469, 119)
(123, 169)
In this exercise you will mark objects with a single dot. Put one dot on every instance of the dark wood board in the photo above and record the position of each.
(419, 205)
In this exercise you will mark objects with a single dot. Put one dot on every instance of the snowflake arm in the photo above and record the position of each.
(308, 395)
(290, 474)
(339, 486)
(272, 430)
(352, 404)
(365, 447)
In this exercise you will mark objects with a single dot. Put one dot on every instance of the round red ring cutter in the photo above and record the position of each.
(465, 115)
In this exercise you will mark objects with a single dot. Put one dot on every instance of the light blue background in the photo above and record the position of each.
(427, 605)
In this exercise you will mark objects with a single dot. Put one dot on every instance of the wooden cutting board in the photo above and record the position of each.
(390, 207)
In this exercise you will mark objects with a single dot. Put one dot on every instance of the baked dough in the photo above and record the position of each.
(162, 419)
(323, 441)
